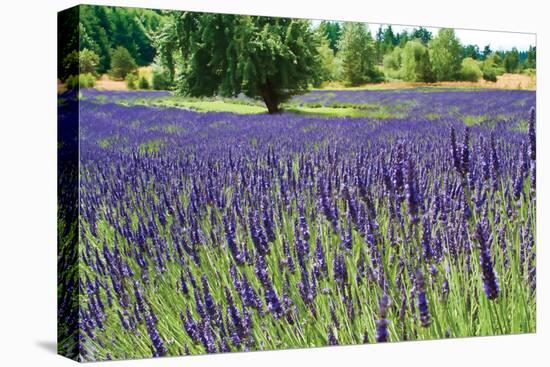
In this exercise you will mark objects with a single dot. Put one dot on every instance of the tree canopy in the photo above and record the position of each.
(357, 54)
(104, 28)
(415, 62)
(446, 55)
(270, 58)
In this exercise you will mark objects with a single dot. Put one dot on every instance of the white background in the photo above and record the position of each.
(28, 182)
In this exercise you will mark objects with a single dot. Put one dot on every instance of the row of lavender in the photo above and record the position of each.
(215, 232)
(500, 105)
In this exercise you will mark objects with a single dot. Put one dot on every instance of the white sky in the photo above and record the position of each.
(497, 40)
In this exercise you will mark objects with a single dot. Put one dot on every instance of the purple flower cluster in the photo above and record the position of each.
(216, 232)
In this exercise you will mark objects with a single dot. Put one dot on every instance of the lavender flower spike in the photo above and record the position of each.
(490, 281)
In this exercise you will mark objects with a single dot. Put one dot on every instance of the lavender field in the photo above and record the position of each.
(209, 232)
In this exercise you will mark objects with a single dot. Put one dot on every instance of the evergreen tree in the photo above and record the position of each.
(511, 61)
(357, 53)
(421, 34)
(332, 32)
(531, 61)
(122, 63)
(486, 52)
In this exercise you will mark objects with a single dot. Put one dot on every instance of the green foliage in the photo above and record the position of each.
(357, 53)
(103, 28)
(421, 34)
(131, 80)
(122, 63)
(332, 32)
(392, 63)
(69, 66)
(489, 74)
(415, 64)
(86, 80)
(486, 52)
(472, 51)
(143, 83)
(271, 58)
(531, 61)
(88, 61)
(511, 61)
(160, 79)
(328, 65)
(446, 55)
(470, 70)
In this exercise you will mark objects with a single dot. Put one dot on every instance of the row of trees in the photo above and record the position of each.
(201, 54)
(102, 30)
(413, 56)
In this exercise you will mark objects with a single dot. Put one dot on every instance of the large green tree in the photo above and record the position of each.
(446, 55)
(221, 54)
(511, 61)
(415, 63)
(357, 54)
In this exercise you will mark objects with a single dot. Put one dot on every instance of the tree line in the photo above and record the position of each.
(204, 54)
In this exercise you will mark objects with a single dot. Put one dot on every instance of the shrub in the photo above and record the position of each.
(392, 63)
(122, 63)
(470, 70)
(72, 82)
(489, 74)
(86, 80)
(415, 63)
(69, 67)
(143, 83)
(88, 61)
(160, 79)
(131, 81)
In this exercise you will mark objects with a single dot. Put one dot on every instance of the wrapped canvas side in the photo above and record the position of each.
(67, 191)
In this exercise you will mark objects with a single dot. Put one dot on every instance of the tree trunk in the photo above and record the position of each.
(270, 99)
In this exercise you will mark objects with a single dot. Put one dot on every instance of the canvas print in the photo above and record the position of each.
(233, 183)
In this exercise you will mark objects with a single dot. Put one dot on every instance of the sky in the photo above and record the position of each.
(497, 40)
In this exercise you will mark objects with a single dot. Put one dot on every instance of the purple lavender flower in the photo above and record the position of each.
(158, 345)
(422, 303)
(489, 276)
(382, 333)
(413, 196)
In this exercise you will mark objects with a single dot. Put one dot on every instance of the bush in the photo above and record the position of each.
(131, 81)
(88, 61)
(122, 63)
(489, 74)
(70, 67)
(470, 70)
(160, 79)
(376, 76)
(415, 63)
(86, 80)
(72, 82)
(143, 83)
(392, 63)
